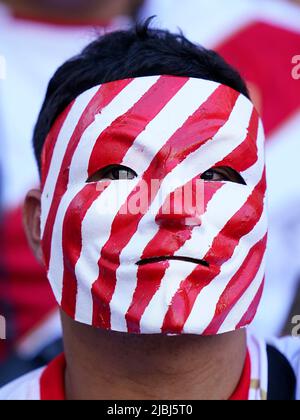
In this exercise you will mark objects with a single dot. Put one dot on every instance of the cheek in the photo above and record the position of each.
(92, 214)
(245, 219)
(235, 230)
(72, 224)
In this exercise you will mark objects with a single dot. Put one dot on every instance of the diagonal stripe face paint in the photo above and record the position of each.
(138, 234)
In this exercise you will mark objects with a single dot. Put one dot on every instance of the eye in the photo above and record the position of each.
(223, 173)
(113, 173)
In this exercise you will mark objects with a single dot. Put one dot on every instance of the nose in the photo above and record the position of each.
(183, 207)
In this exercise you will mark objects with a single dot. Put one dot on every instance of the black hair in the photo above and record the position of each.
(141, 51)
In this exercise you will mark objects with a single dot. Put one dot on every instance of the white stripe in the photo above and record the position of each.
(79, 169)
(193, 165)
(205, 305)
(139, 156)
(196, 247)
(253, 175)
(206, 302)
(204, 237)
(259, 366)
(26, 388)
(172, 117)
(235, 315)
(60, 149)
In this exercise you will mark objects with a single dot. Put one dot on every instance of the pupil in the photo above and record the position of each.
(120, 174)
(116, 174)
(208, 175)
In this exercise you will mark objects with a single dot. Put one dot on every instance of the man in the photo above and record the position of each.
(151, 222)
(35, 38)
(261, 39)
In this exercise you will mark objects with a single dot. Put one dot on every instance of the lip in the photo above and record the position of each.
(154, 260)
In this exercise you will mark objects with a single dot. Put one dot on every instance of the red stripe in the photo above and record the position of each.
(237, 227)
(72, 242)
(199, 129)
(52, 382)
(251, 311)
(246, 154)
(242, 391)
(237, 286)
(145, 109)
(169, 238)
(104, 96)
(121, 135)
(50, 143)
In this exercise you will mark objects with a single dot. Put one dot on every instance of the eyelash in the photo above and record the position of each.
(118, 168)
(238, 177)
(104, 173)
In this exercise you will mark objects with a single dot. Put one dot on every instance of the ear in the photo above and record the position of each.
(32, 220)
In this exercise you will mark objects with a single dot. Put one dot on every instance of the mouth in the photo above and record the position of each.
(172, 258)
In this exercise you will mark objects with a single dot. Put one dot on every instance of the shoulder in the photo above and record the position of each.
(25, 388)
(289, 347)
(275, 367)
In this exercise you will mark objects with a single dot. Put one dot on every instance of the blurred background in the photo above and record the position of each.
(261, 38)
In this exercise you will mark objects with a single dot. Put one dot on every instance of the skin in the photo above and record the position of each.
(70, 10)
(109, 365)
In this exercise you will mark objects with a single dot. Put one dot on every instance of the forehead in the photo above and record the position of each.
(144, 116)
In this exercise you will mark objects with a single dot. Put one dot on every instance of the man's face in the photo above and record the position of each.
(153, 207)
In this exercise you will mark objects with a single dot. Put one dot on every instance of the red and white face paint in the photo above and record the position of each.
(202, 267)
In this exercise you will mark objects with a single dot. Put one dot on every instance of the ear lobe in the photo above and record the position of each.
(32, 221)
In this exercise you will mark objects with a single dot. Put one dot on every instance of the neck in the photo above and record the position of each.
(105, 365)
(101, 11)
